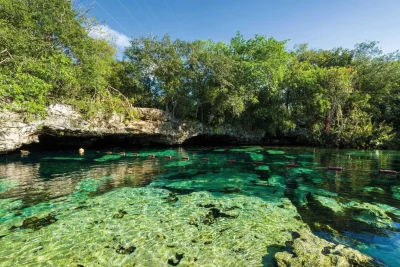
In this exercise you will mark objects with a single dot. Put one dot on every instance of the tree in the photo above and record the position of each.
(46, 55)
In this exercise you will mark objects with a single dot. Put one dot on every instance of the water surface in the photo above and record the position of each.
(99, 209)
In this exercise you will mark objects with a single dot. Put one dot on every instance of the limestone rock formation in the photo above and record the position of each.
(310, 250)
(65, 126)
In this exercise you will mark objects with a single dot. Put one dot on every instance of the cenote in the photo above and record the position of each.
(220, 207)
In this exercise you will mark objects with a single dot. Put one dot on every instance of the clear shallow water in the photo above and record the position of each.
(61, 208)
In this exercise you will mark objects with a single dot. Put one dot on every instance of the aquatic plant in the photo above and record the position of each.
(262, 168)
(164, 153)
(246, 149)
(275, 152)
(373, 189)
(107, 158)
(179, 163)
(306, 156)
(256, 156)
(396, 192)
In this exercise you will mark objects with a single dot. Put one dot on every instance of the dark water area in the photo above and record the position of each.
(56, 206)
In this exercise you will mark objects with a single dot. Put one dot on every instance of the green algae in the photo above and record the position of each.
(280, 162)
(319, 191)
(317, 178)
(307, 156)
(108, 158)
(256, 156)
(246, 149)
(373, 189)
(300, 197)
(389, 209)
(329, 203)
(220, 150)
(64, 158)
(277, 180)
(307, 163)
(275, 152)
(179, 163)
(164, 153)
(262, 168)
(6, 185)
(396, 192)
(290, 157)
(303, 191)
(370, 214)
(302, 170)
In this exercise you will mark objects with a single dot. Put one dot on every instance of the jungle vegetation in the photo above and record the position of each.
(338, 98)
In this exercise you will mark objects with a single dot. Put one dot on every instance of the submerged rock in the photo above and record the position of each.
(310, 250)
(107, 158)
(91, 185)
(275, 152)
(302, 170)
(396, 192)
(36, 223)
(256, 156)
(6, 185)
(329, 203)
(227, 182)
(277, 180)
(179, 163)
(373, 189)
(197, 229)
(262, 168)
(246, 149)
(370, 214)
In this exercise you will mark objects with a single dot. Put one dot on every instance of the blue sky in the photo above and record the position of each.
(320, 23)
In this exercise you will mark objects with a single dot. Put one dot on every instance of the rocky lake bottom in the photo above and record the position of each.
(232, 206)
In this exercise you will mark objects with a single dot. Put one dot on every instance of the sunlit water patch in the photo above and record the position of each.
(239, 206)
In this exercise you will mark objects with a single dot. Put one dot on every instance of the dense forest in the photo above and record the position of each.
(339, 97)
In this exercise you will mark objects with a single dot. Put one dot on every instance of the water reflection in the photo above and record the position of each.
(357, 206)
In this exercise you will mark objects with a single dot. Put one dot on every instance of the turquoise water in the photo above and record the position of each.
(63, 209)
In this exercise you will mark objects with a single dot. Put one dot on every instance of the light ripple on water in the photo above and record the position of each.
(61, 201)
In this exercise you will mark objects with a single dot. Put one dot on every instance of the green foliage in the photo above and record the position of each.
(47, 56)
(338, 97)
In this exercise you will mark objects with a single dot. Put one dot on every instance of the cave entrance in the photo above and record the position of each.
(49, 142)
(210, 140)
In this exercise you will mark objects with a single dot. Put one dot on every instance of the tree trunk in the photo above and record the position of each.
(173, 109)
(202, 119)
(327, 122)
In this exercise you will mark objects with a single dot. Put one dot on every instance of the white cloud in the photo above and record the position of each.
(116, 38)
